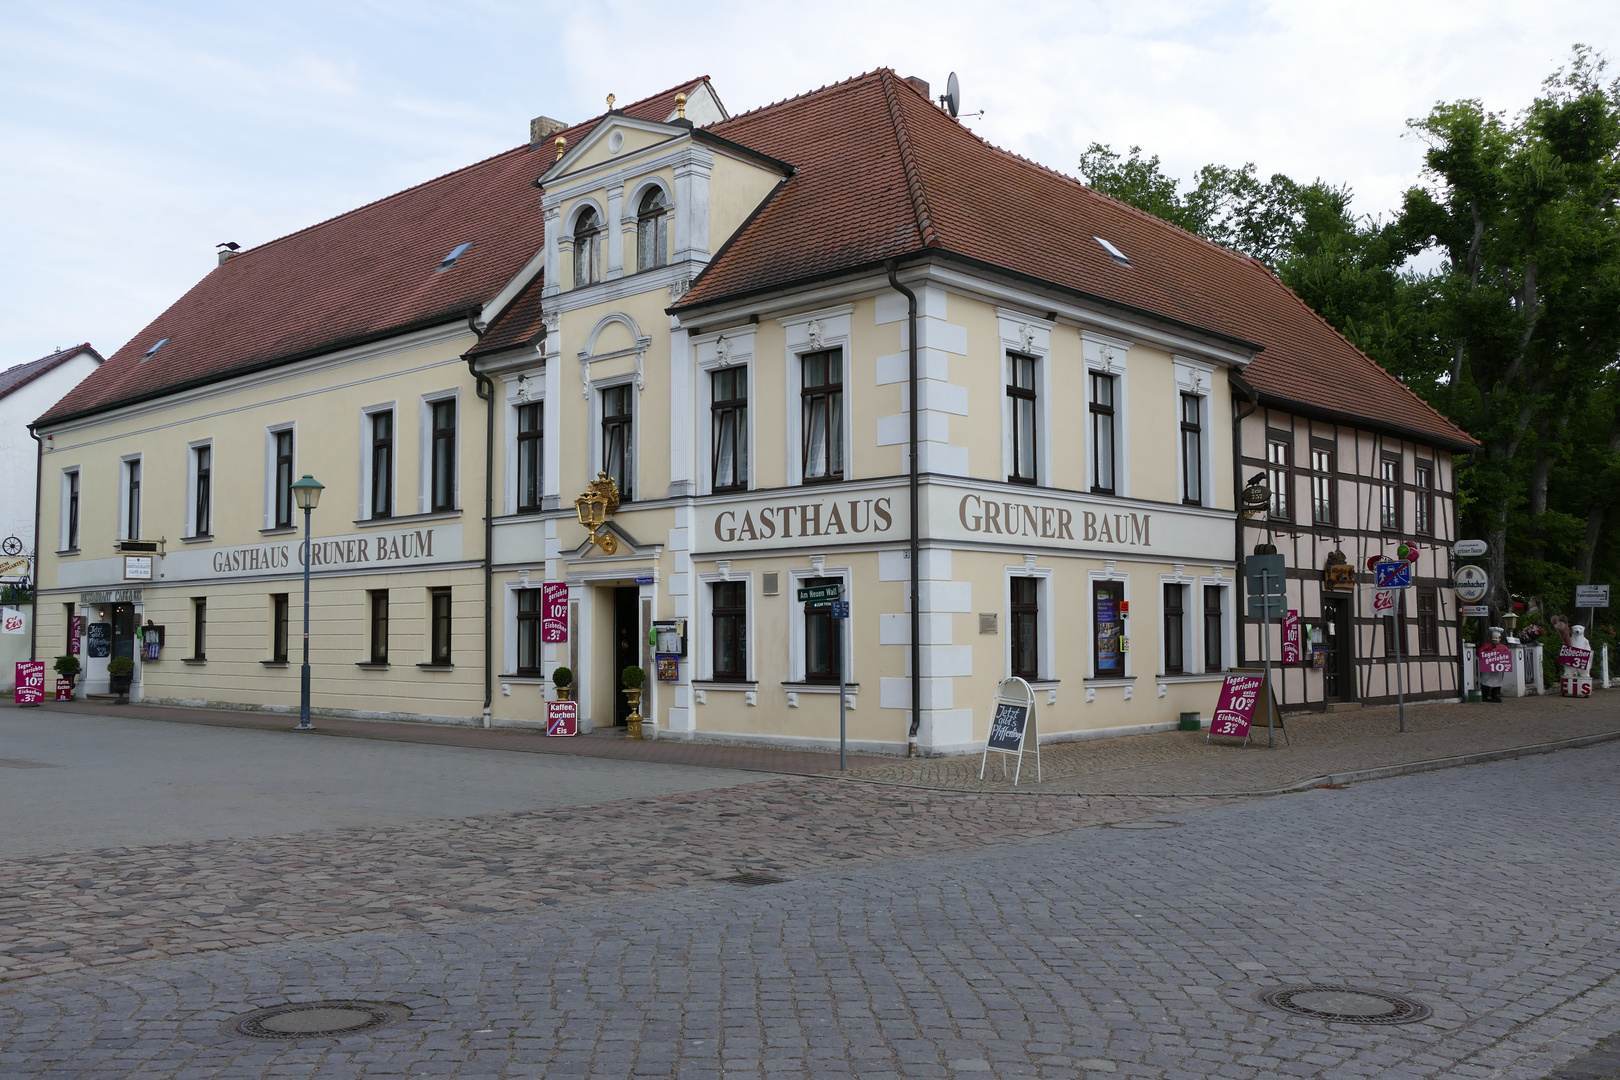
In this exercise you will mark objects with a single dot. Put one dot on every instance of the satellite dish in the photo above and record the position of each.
(953, 95)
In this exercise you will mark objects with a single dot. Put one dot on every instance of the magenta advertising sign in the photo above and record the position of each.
(1495, 658)
(1290, 638)
(562, 718)
(554, 612)
(30, 682)
(1569, 656)
(1234, 711)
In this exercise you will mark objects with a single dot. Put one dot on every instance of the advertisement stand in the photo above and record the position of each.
(1012, 728)
(1241, 694)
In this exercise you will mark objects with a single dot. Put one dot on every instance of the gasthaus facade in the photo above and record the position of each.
(836, 340)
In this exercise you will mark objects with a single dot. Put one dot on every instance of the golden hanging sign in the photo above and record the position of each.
(595, 505)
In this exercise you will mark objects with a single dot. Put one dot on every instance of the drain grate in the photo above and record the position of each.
(749, 878)
(317, 1019)
(1344, 1005)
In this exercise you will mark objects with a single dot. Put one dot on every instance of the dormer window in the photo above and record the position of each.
(587, 239)
(652, 244)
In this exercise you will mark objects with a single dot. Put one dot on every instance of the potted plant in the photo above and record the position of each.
(68, 668)
(122, 672)
(632, 679)
(562, 678)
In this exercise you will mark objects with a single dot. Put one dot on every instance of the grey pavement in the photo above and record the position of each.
(1489, 893)
(73, 781)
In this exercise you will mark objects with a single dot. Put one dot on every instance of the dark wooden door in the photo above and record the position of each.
(1338, 672)
(626, 645)
(123, 630)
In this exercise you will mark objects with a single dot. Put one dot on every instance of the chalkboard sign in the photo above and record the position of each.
(98, 639)
(1007, 727)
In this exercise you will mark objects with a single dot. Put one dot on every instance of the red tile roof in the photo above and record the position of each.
(884, 173)
(14, 378)
(521, 323)
(367, 274)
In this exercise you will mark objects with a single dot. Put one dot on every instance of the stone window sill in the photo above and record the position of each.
(818, 687)
(1111, 680)
(366, 665)
(279, 530)
(200, 538)
(711, 684)
(437, 667)
(274, 663)
(195, 661)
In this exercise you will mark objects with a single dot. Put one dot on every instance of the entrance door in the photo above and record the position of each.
(1338, 673)
(626, 645)
(123, 630)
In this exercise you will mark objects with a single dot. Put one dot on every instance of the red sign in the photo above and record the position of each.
(64, 689)
(562, 718)
(1291, 638)
(1495, 658)
(1234, 711)
(30, 682)
(554, 613)
(75, 632)
(1383, 603)
(1570, 656)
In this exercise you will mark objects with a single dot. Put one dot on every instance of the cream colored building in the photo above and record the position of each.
(838, 339)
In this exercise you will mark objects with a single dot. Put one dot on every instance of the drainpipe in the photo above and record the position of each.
(485, 388)
(33, 578)
(916, 575)
(1238, 417)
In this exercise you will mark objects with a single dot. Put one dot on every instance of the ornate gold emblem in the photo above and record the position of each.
(595, 505)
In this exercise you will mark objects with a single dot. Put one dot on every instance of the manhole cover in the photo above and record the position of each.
(1143, 825)
(1344, 1005)
(753, 879)
(317, 1019)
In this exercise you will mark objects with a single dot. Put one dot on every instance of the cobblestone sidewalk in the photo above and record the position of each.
(1320, 745)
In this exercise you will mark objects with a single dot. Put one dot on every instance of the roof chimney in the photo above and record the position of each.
(227, 249)
(919, 85)
(542, 128)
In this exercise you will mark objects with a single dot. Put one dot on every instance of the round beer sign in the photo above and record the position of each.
(1471, 583)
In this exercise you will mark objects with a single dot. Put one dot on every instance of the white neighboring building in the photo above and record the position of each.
(26, 392)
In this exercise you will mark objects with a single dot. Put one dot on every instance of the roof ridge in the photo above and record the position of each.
(800, 97)
(919, 194)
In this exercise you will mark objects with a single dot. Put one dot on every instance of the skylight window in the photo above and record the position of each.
(450, 259)
(1113, 252)
(153, 350)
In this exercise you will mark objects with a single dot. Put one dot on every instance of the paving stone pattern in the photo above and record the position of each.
(1489, 893)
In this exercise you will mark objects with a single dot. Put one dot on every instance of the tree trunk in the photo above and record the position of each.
(1600, 506)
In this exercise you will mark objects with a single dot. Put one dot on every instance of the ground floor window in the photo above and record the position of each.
(823, 639)
(439, 619)
(1214, 642)
(199, 628)
(1396, 625)
(1024, 624)
(278, 627)
(1175, 627)
(1428, 620)
(730, 615)
(379, 625)
(1108, 627)
(528, 632)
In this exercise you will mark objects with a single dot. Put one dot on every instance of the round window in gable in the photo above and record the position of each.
(615, 142)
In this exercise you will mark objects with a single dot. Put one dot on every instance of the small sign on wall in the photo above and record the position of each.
(137, 568)
(13, 621)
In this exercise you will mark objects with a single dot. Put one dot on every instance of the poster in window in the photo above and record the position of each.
(669, 667)
(1108, 634)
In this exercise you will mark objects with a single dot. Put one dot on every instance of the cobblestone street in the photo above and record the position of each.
(917, 934)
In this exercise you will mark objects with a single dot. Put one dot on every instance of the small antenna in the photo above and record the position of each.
(952, 98)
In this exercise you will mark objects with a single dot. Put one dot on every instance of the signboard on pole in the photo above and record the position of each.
(1476, 611)
(562, 718)
(554, 612)
(1266, 572)
(820, 595)
(1470, 549)
(137, 568)
(1012, 727)
(1495, 658)
(1290, 639)
(1591, 596)
(1471, 583)
(12, 621)
(14, 568)
(1383, 603)
(30, 682)
(1393, 574)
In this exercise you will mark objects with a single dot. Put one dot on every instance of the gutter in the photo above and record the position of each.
(33, 578)
(485, 388)
(1238, 416)
(916, 574)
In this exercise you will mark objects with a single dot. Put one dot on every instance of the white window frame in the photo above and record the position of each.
(1124, 579)
(1229, 624)
(1046, 620)
(598, 463)
(796, 575)
(531, 386)
(1107, 356)
(704, 638)
(1197, 379)
(62, 507)
(815, 331)
(424, 471)
(712, 356)
(565, 242)
(123, 495)
(270, 433)
(366, 413)
(1191, 626)
(1027, 336)
(191, 484)
(631, 218)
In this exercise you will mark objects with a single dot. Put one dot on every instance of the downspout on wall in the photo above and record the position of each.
(1238, 416)
(39, 475)
(485, 388)
(916, 525)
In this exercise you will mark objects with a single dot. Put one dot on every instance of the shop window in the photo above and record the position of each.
(821, 403)
(1175, 630)
(1322, 485)
(439, 627)
(730, 615)
(823, 638)
(443, 491)
(199, 628)
(281, 482)
(1108, 628)
(378, 602)
(1390, 493)
(1428, 621)
(381, 503)
(1423, 511)
(530, 457)
(529, 657)
(728, 426)
(279, 611)
(1192, 450)
(1021, 392)
(70, 510)
(1279, 476)
(1214, 629)
(618, 436)
(587, 245)
(1104, 436)
(1024, 622)
(652, 241)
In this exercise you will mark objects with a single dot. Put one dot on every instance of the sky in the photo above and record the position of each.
(134, 137)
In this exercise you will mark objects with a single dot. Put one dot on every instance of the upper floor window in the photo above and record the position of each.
(1322, 484)
(382, 464)
(1423, 480)
(1279, 460)
(70, 510)
(132, 500)
(618, 448)
(587, 245)
(202, 477)
(1104, 439)
(1021, 392)
(282, 477)
(652, 244)
(1390, 494)
(728, 423)
(822, 409)
(443, 491)
(1192, 449)
(530, 459)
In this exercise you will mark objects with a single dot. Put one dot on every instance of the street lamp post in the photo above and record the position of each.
(307, 493)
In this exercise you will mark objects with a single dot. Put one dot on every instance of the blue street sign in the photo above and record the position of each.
(840, 609)
(1394, 574)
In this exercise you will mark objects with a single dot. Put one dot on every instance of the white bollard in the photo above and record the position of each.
(1605, 667)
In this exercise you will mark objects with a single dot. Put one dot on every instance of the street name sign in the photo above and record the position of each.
(1591, 596)
(1393, 574)
(1470, 549)
(1471, 583)
(820, 595)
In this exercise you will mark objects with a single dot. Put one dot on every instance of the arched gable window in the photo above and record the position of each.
(652, 244)
(587, 240)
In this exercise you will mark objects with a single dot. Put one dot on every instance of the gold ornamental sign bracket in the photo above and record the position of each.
(595, 505)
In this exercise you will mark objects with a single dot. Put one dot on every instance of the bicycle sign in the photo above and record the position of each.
(1393, 574)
